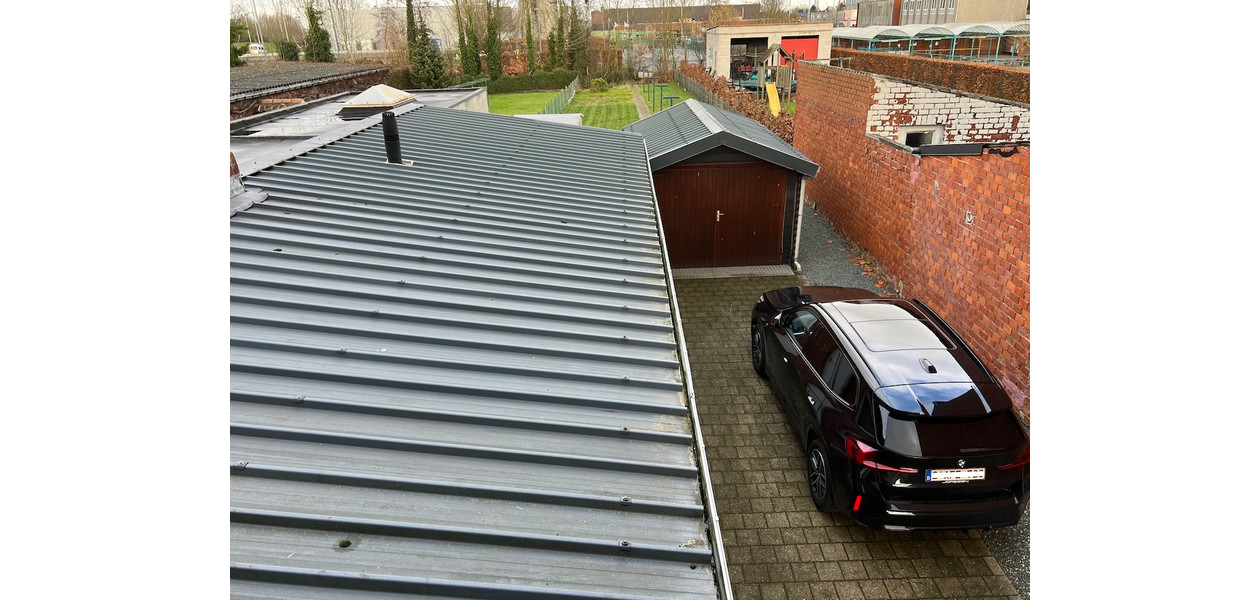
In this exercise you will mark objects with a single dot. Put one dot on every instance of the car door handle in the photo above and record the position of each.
(785, 359)
(810, 398)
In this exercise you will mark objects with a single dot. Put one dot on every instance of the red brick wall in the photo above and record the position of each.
(908, 213)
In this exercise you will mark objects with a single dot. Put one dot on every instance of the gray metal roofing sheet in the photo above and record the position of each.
(459, 377)
(693, 127)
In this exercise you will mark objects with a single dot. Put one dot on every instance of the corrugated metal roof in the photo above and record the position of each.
(693, 127)
(459, 377)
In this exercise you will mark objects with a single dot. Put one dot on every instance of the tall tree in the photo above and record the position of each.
(318, 44)
(529, 35)
(775, 11)
(412, 34)
(470, 56)
(575, 46)
(560, 55)
(494, 50)
(427, 69)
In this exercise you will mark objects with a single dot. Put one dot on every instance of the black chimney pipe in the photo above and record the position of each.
(393, 145)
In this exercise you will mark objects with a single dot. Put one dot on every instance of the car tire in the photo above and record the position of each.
(758, 350)
(819, 476)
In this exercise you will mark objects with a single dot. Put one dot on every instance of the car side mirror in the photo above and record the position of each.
(777, 321)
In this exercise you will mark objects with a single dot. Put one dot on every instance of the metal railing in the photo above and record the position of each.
(561, 101)
(698, 92)
(469, 84)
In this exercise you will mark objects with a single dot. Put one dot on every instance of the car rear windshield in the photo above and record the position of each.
(927, 437)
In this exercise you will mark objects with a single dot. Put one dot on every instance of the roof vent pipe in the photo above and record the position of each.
(393, 145)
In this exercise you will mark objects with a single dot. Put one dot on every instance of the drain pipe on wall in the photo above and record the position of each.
(800, 219)
(710, 502)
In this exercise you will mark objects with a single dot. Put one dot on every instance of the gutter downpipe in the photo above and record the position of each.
(710, 502)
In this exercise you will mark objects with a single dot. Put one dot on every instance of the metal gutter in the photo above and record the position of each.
(720, 568)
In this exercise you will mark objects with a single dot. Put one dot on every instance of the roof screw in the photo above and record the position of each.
(424, 258)
(240, 464)
(625, 430)
(625, 380)
(624, 307)
(402, 281)
(376, 312)
(299, 398)
(625, 544)
(625, 499)
(341, 350)
(625, 338)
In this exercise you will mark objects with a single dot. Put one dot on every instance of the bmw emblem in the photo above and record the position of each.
(961, 463)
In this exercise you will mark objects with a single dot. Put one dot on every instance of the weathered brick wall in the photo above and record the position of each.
(909, 213)
(899, 104)
(1007, 83)
(245, 108)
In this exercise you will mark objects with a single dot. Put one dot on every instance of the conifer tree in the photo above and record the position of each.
(529, 34)
(318, 42)
(559, 57)
(575, 53)
(427, 69)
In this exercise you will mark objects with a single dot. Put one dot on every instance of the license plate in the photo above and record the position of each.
(955, 474)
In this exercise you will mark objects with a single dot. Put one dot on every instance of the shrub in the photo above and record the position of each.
(598, 85)
(288, 50)
(236, 57)
(398, 78)
(548, 80)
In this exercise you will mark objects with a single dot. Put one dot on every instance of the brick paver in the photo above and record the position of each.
(778, 545)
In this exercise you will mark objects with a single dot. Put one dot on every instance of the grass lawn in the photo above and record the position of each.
(523, 103)
(613, 109)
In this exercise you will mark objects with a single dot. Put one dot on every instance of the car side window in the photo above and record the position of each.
(801, 324)
(833, 367)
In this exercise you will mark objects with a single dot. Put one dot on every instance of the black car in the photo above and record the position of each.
(902, 426)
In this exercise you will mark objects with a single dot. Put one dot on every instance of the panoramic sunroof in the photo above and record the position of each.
(900, 334)
(884, 326)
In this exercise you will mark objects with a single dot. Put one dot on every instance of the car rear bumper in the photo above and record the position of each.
(950, 515)
(877, 512)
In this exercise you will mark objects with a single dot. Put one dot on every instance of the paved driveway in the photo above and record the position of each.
(778, 545)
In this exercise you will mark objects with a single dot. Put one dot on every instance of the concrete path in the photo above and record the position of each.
(640, 103)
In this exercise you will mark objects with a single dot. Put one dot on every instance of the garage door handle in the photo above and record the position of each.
(719, 215)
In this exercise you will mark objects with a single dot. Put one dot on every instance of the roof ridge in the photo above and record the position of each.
(702, 113)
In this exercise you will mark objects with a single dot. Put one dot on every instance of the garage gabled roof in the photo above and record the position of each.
(693, 127)
(459, 376)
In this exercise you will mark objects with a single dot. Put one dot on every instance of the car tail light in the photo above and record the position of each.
(1022, 461)
(857, 502)
(863, 454)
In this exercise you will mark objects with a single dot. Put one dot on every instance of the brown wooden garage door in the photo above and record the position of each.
(722, 215)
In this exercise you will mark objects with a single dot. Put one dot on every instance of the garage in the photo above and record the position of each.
(729, 189)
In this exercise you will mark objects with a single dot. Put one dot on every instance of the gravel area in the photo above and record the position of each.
(826, 259)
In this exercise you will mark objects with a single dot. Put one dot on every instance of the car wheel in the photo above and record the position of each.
(758, 351)
(819, 476)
